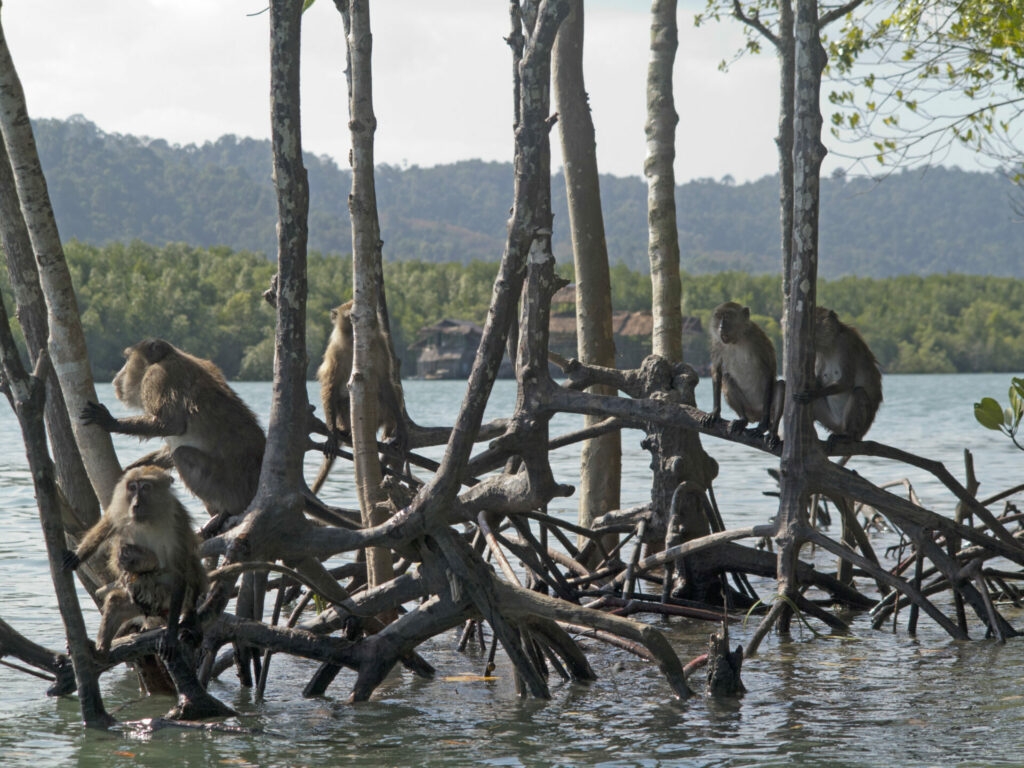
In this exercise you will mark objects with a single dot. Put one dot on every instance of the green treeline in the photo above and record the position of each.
(209, 302)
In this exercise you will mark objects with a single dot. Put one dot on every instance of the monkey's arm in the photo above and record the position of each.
(88, 546)
(315, 426)
(716, 391)
(766, 409)
(816, 393)
(393, 418)
(140, 426)
(169, 643)
(161, 458)
(778, 404)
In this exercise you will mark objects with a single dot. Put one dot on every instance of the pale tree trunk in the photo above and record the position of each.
(83, 508)
(801, 452)
(679, 459)
(286, 430)
(366, 267)
(663, 243)
(67, 341)
(26, 394)
(784, 142)
(601, 456)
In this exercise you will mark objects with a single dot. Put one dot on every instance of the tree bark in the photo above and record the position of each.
(784, 142)
(67, 342)
(600, 457)
(286, 431)
(801, 451)
(83, 508)
(26, 394)
(678, 459)
(12, 643)
(663, 242)
(535, 70)
(366, 266)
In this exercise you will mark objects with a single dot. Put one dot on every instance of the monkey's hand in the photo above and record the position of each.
(806, 396)
(332, 443)
(737, 426)
(189, 630)
(167, 645)
(96, 413)
(70, 561)
(711, 418)
(834, 441)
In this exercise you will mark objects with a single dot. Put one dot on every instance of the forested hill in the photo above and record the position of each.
(109, 187)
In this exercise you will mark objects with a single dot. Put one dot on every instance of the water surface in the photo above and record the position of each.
(877, 698)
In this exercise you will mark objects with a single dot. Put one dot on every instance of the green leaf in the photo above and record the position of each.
(306, 4)
(1016, 406)
(988, 413)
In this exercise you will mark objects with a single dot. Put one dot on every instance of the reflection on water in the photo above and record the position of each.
(874, 699)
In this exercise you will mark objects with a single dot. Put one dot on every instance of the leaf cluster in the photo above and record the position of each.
(993, 416)
(931, 74)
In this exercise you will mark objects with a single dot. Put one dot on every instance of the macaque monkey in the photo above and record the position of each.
(152, 551)
(212, 438)
(847, 388)
(333, 375)
(743, 367)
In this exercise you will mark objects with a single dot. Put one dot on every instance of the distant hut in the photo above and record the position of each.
(447, 348)
(631, 330)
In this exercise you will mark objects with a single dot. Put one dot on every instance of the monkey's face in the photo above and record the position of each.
(128, 381)
(728, 321)
(140, 493)
(826, 327)
(144, 487)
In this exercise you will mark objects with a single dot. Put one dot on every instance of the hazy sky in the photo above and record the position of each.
(193, 70)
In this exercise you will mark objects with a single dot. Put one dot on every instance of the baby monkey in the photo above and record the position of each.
(153, 554)
(847, 388)
(743, 367)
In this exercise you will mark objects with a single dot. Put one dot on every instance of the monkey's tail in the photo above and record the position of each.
(321, 477)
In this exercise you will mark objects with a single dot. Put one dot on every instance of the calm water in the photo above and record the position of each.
(877, 698)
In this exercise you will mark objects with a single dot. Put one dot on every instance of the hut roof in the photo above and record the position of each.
(450, 325)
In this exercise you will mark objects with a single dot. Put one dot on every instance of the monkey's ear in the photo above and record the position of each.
(746, 313)
(156, 350)
(832, 315)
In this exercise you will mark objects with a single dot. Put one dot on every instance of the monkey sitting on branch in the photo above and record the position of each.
(212, 437)
(743, 367)
(333, 375)
(847, 386)
(153, 553)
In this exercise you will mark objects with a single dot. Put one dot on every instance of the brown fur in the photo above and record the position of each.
(743, 368)
(333, 375)
(152, 550)
(847, 382)
(212, 437)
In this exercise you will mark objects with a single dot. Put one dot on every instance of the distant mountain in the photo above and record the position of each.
(110, 187)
